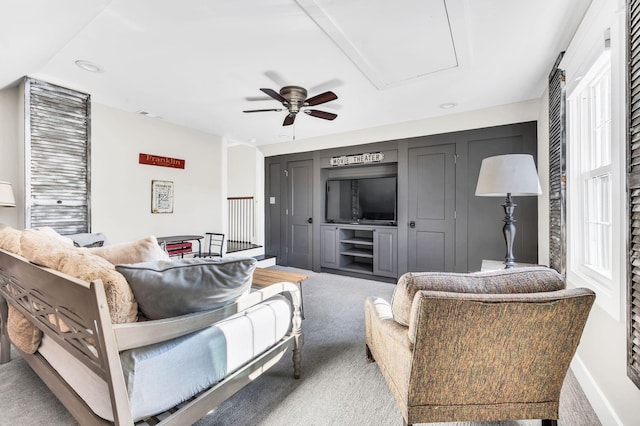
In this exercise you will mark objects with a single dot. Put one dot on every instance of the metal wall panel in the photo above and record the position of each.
(557, 169)
(57, 157)
(633, 183)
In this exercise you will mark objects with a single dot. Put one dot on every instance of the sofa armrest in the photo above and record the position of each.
(133, 335)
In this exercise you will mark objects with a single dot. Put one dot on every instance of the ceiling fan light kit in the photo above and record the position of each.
(294, 98)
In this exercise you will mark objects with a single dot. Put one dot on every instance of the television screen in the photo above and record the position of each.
(362, 200)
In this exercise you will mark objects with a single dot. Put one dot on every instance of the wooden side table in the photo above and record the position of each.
(263, 277)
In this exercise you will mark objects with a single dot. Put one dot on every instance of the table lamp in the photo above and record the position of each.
(6, 197)
(507, 176)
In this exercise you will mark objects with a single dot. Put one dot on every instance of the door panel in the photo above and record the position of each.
(432, 243)
(432, 191)
(300, 211)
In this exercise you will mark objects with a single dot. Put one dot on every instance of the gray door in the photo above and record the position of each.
(299, 241)
(432, 194)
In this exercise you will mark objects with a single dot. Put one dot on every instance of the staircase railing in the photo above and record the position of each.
(241, 219)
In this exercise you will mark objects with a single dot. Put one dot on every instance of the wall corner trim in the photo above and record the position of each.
(596, 397)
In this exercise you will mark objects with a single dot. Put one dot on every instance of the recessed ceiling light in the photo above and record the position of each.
(447, 105)
(89, 66)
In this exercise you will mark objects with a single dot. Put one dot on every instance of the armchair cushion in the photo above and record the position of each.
(518, 280)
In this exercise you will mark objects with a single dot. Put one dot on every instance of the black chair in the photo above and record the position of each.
(216, 242)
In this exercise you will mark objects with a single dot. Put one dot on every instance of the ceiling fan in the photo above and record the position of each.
(293, 98)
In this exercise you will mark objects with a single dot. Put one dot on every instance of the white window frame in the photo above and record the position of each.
(609, 287)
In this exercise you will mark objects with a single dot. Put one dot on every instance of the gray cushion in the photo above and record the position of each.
(166, 289)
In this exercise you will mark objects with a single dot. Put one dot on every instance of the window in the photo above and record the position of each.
(593, 196)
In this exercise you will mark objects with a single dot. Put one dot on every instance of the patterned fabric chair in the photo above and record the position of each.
(477, 347)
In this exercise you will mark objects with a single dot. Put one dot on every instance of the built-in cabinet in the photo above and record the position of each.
(439, 224)
(360, 249)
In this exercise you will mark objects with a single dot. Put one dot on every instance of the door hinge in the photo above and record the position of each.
(455, 158)
(286, 172)
(455, 215)
(286, 212)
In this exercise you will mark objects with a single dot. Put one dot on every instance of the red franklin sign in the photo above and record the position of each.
(156, 160)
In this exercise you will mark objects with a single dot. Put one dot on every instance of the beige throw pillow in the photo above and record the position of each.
(49, 251)
(10, 239)
(143, 250)
(23, 334)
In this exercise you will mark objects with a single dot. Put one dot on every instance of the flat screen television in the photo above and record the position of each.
(370, 200)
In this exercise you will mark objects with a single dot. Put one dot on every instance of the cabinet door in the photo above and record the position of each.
(329, 246)
(385, 252)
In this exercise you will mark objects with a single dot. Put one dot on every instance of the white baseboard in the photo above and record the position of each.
(265, 263)
(596, 397)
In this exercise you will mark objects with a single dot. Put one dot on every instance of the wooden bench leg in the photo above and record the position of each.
(5, 345)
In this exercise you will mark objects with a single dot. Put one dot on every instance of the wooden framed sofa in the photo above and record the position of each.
(174, 369)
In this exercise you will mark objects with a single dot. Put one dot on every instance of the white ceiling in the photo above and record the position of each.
(200, 63)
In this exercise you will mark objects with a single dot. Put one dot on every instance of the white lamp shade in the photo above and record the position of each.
(513, 174)
(6, 195)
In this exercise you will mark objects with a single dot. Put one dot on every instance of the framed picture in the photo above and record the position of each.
(161, 196)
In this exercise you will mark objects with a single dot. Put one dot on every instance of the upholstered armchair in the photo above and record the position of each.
(477, 347)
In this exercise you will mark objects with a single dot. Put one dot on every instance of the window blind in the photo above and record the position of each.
(633, 189)
(557, 168)
(57, 157)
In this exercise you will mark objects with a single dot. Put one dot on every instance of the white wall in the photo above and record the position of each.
(241, 171)
(121, 188)
(245, 177)
(504, 114)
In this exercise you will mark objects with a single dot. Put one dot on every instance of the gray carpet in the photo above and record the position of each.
(337, 387)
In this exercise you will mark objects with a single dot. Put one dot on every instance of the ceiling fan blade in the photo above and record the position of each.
(288, 120)
(263, 110)
(329, 84)
(275, 95)
(257, 98)
(321, 114)
(321, 98)
(276, 77)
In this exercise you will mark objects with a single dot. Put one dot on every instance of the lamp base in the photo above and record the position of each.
(509, 231)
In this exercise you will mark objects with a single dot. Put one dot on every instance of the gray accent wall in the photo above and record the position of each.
(475, 231)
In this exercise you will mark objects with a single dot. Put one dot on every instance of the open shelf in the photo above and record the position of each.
(357, 252)
(363, 268)
(359, 240)
(369, 250)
